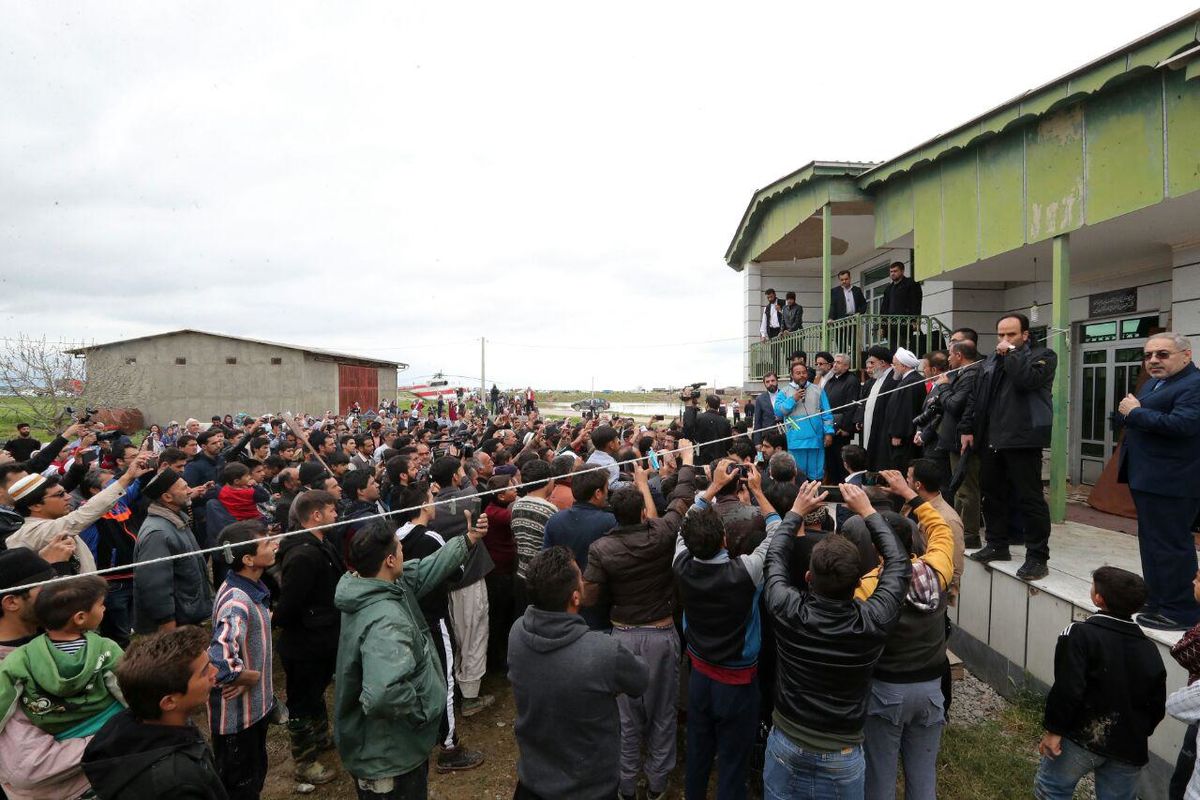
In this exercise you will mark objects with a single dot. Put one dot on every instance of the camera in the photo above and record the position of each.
(931, 413)
(691, 393)
(744, 469)
(109, 436)
(81, 416)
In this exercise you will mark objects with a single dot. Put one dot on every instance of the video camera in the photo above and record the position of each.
(85, 416)
(692, 393)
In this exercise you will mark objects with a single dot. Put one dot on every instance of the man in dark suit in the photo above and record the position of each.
(1160, 458)
(764, 407)
(841, 386)
(846, 300)
(710, 430)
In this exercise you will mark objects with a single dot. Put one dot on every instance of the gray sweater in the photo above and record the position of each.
(565, 681)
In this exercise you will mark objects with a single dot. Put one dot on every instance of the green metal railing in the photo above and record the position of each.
(850, 335)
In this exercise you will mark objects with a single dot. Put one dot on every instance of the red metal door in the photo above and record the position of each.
(357, 384)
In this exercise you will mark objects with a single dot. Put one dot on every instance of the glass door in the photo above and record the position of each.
(1093, 414)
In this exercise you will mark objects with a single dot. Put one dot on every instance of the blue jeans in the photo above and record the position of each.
(793, 773)
(117, 623)
(1057, 777)
(721, 723)
(904, 721)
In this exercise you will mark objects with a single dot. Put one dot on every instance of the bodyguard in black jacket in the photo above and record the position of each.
(828, 645)
(711, 426)
(1010, 416)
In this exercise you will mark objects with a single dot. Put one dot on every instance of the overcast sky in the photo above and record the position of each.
(399, 179)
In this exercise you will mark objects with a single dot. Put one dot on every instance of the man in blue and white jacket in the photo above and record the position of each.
(803, 409)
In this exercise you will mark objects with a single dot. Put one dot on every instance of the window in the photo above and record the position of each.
(231, 360)
(181, 362)
(130, 360)
(275, 362)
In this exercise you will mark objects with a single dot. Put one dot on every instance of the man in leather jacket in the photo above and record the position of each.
(828, 645)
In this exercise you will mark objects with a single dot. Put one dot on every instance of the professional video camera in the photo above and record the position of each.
(692, 393)
(930, 414)
(85, 416)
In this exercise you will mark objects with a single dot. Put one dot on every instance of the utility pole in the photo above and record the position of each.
(482, 369)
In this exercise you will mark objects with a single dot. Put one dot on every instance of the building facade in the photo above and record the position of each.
(190, 373)
(1077, 204)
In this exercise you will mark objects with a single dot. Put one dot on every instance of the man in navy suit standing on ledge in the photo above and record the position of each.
(1160, 459)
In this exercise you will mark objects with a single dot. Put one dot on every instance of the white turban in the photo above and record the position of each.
(906, 358)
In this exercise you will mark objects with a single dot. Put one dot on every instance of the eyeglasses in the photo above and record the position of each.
(59, 493)
(1161, 355)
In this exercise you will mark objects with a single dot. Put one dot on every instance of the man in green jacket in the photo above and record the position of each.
(390, 694)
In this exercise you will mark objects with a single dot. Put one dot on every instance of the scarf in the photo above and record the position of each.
(871, 398)
(239, 502)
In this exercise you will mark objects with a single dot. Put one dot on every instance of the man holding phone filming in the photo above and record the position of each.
(803, 409)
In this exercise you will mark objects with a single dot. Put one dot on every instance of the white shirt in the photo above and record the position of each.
(849, 299)
(770, 311)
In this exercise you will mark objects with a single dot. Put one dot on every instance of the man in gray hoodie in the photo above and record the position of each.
(565, 681)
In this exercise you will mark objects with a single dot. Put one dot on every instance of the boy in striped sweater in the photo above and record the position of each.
(241, 703)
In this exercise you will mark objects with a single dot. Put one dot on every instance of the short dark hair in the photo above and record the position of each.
(968, 333)
(703, 532)
(627, 505)
(834, 565)
(182, 442)
(241, 539)
(1021, 318)
(159, 665)
(56, 603)
(535, 474)
(770, 291)
(276, 462)
(564, 465)
(782, 496)
(204, 436)
(233, 471)
(790, 296)
(966, 349)
(259, 441)
(770, 374)
(371, 546)
(170, 455)
(854, 457)
(355, 482)
(899, 264)
(306, 504)
(1124, 592)
(318, 439)
(550, 579)
(776, 438)
(603, 436)
(938, 360)
(498, 484)
(22, 424)
(337, 457)
(713, 402)
(843, 272)
(585, 484)
(928, 472)
(443, 470)
(743, 448)
(410, 497)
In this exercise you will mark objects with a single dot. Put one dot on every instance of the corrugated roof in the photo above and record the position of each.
(314, 350)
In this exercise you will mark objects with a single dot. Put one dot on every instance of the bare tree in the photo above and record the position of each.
(42, 379)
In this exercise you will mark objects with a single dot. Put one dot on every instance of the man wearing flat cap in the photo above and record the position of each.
(175, 592)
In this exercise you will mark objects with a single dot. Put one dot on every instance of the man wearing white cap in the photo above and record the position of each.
(46, 507)
(904, 407)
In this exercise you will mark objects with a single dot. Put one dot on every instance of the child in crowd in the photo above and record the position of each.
(1109, 694)
(240, 495)
(64, 678)
(242, 702)
(151, 750)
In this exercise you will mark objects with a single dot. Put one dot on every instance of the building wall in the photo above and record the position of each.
(1185, 294)
(207, 385)
(388, 381)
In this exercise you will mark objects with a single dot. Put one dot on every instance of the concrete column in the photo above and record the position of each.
(1059, 341)
(826, 270)
(1185, 293)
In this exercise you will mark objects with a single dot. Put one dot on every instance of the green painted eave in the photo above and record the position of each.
(779, 207)
(1138, 57)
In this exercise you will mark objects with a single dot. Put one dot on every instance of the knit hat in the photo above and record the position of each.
(23, 487)
(160, 483)
(20, 566)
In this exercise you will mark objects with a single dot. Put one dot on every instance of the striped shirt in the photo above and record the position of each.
(241, 640)
(529, 515)
(70, 648)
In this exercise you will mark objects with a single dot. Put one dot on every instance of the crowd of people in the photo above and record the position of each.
(796, 568)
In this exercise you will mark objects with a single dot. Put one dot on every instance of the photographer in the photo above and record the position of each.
(1010, 416)
(710, 430)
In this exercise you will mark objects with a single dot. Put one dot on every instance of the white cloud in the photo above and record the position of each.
(377, 177)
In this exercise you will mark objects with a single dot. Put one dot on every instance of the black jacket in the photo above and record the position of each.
(828, 648)
(902, 298)
(904, 406)
(841, 390)
(311, 569)
(954, 399)
(837, 302)
(130, 760)
(709, 426)
(1110, 688)
(1010, 407)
